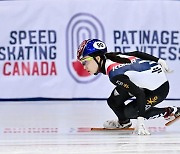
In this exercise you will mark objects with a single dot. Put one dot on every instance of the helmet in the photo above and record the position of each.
(91, 47)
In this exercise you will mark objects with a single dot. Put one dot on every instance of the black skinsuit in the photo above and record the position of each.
(145, 99)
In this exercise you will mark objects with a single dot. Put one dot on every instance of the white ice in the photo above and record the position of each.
(53, 127)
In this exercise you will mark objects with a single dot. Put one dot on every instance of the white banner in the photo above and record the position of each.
(39, 40)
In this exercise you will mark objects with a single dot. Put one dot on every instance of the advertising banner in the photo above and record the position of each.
(39, 40)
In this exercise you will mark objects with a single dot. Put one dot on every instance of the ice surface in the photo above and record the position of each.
(61, 128)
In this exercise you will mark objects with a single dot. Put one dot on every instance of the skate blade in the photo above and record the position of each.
(171, 122)
(100, 129)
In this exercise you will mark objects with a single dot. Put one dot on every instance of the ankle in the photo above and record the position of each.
(124, 121)
(168, 112)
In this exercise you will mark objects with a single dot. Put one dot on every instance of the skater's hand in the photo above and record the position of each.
(164, 66)
(141, 128)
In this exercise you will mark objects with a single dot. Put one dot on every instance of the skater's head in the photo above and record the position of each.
(91, 47)
(90, 53)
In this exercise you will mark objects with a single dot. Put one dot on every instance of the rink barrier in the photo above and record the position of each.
(66, 99)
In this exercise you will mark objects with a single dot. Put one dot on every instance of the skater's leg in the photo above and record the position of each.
(131, 111)
(153, 98)
(116, 103)
(169, 113)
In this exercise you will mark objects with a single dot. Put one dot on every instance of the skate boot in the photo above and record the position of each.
(112, 124)
(172, 114)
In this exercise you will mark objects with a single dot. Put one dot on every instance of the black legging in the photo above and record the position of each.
(130, 111)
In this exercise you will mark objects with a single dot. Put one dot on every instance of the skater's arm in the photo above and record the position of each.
(123, 81)
(142, 55)
(146, 56)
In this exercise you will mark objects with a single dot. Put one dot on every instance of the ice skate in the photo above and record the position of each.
(172, 115)
(113, 124)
